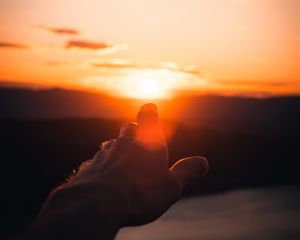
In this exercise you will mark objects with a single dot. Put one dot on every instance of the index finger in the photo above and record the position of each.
(149, 131)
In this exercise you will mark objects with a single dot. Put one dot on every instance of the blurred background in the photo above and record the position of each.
(225, 75)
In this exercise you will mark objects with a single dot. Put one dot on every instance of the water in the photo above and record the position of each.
(269, 213)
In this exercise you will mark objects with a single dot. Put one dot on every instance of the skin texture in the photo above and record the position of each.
(127, 183)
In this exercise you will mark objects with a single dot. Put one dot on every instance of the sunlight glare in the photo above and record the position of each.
(150, 84)
(147, 84)
(150, 88)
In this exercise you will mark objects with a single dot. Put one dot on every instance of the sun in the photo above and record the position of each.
(141, 84)
(150, 88)
(149, 84)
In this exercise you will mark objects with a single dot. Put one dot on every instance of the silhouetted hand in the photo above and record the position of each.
(127, 183)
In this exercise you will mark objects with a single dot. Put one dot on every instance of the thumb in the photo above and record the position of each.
(189, 169)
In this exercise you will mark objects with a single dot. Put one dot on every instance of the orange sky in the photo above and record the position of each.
(127, 47)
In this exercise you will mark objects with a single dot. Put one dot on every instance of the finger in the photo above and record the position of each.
(148, 115)
(85, 164)
(149, 131)
(189, 169)
(104, 147)
(107, 144)
(128, 130)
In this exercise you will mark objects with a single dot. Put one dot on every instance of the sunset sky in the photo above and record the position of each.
(156, 47)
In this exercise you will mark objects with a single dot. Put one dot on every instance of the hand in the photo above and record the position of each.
(127, 183)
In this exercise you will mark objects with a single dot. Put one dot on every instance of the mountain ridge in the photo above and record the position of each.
(276, 115)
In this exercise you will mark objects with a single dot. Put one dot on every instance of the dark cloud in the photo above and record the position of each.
(87, 45)
(100, 47)
(59, 31)
(13, 45)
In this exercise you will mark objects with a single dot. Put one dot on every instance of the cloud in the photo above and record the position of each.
(59, 31)
(112, 65)
(115, 64)
(87, 45)
(172, 66)
(13, 45)
(100, 47)
(191, 69)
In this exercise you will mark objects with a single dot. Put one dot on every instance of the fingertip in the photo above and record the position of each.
(200, 164)
(195, 164)
(128, 130)
(190, 169)
(107, 144)
(148, 114)
(149, 107)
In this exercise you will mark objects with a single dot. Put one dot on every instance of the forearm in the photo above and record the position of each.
(76, 229)
(70, 214)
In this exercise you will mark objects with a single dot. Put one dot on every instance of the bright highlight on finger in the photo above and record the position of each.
(149, 132)
(147, 116)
